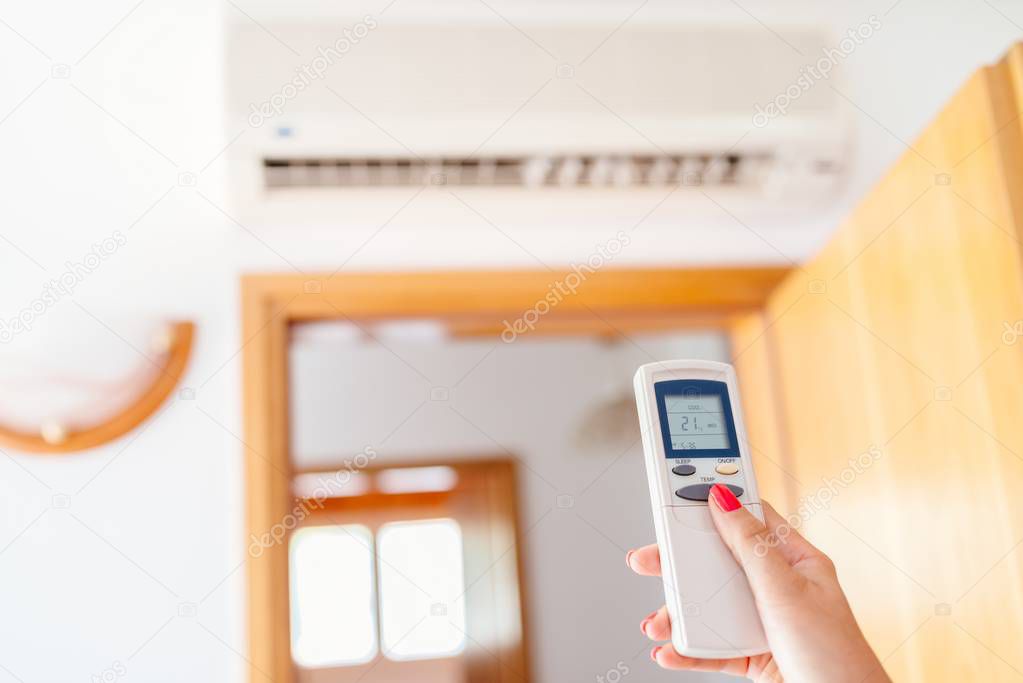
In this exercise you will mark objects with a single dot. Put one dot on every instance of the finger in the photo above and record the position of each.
(657, 626)
(667, 658)
(747, 539)
(645, 561)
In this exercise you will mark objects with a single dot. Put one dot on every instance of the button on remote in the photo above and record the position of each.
(683, 470)
(727, 468)
(702, 491)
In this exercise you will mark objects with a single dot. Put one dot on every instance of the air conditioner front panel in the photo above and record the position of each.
(436, 104)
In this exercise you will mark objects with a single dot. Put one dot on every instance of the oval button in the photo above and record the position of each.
(727, 468)
(683, 470)
(702, 491)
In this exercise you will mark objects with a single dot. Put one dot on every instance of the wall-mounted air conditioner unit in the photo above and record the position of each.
(579, 116)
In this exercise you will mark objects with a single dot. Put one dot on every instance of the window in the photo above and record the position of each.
(413, 589)
(421, 585)
(333, 615)
(386, 565)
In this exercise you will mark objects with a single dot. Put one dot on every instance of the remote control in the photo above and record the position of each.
(693, 438)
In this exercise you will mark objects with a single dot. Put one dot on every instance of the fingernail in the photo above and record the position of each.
(725, 499)
(642, 624)
(628, 556)
(653, 653)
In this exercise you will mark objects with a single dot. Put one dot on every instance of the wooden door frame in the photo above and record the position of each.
(609, 302)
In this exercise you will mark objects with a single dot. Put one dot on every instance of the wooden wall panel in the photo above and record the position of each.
(752, 356)
(896, 345)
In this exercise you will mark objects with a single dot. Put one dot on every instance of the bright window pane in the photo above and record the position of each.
(415, 479)
(422, 612)
(332, 610)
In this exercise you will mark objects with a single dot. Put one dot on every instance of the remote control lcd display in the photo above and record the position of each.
(696, 422)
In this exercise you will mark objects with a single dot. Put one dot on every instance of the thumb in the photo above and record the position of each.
(747, 538)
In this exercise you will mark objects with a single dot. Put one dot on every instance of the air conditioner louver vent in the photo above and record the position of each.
(560, 171)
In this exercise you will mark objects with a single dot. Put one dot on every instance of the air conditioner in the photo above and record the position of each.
(578, 117)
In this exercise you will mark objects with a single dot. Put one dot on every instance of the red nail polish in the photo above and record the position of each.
(628, 556)
(653, 653)
(724, 498)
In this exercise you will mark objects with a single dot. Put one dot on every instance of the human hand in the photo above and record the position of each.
(810, 628)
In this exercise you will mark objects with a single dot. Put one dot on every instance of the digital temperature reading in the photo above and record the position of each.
(696, 422)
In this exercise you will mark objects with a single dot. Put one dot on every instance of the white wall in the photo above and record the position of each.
(103, 150)
(529, 400)
(154, 519)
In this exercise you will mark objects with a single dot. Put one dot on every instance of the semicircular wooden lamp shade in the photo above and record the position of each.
(54, 438)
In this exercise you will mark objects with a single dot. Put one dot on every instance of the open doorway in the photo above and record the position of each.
(378, 374)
